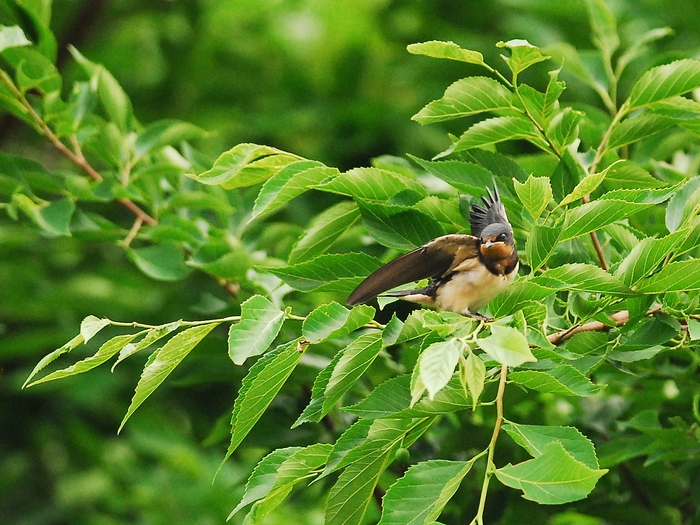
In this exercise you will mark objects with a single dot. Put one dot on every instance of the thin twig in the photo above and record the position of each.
(133, 231)
(619, 318)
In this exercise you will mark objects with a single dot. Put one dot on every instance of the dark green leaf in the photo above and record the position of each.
(398, 227)
(163, 262)
(664, 82)
(674, 277)
(260, 323)
(324, 230)
(582, 278)
(499, 129)
(333, 320)
(563, 380)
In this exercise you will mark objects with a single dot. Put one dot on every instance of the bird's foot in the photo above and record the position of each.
(477, 316)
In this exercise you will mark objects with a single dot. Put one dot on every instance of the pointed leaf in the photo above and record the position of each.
(582, 278)
(535, 194)
(91, 325)
(604, 27)
(448, 50)
(52, 356)
(563, 129)
(674, 277)
(165, 133)
(507, 346)
(594, 215)
(260, 323)
(540, 245)
(333, 320)
(437, 364)
(585, 187)
(646, 256)
(563, 380)
(371, 184)
(324, 230)
(635, 129)
(399, 227)
(499, 129)
(664, 82)
(522, 55)
(475, 374)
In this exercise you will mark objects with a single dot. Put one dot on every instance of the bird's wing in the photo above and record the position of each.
(434, 259)
(480, 217)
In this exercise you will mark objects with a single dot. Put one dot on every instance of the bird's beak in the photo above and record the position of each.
(488, 244)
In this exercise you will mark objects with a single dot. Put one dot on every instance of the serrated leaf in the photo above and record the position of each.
(324, 230)
(563, 380)
(628, 174)
(333, 320)
(563, 128)
(582, 278)
(474, 376)
(678, 211)
(522, 55)
(420, 495)
(448, 50)
(646, 256)
(244, 165)
(534, 439)
(516, 295)
(566, 176)
(674, 277)
(553, 478)
(165, 133)
(603, 26)
(167, 358)
(594, 215)
(664, 82)
(507, 346)
(535, 194)
(468, 96)
(260, 323)
(349, 440)
(290, 182)
(437, 364)
(327, 273)
(499, 129)
(259, 387)
(540, 245)
(163, 262)
(635, 129)
(585, 187)
(371, 184)
(153, 335)
(91, 325)
(52, 356)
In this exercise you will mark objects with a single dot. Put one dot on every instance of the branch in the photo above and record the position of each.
(619, 318)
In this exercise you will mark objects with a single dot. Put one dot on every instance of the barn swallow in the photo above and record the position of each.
(466, 271)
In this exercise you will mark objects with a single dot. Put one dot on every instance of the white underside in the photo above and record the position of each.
(469, 291)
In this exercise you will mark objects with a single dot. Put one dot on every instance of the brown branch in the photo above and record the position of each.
(619, 318)
(596, 243)
(77, 157)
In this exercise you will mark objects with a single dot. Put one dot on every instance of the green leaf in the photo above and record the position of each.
(437, 364)
(468, 96)
(628, 174)
(563, 129)
(563, 380)
(552, 478)
(289, 182)
(448, 50)
(163, 262)
(398, 227)
(585, 187)
(52, 356)
(674, 277)
(91, 325)
(566, 176)
(678, 210)
(52, 217)
(333, 320)
(152, 336)
(474, 376)
(166, 360)
(507, 346)
(582, 278)
(635, 129)
(259, 387)
(594, 215)
(423, 491)
(646, 256)
(573, 63)
(351, 439)
(165, 133)
(540, 245)
(324, 230)
(245, 165)
(639, 46)
(516, 295)
(535, 194)
(327, 273)
(465, 176)
(12, 36)
(340, 375)
(260, 323)
(371, 184)
(664, 82)
(534, 439)
(603, 26)
(522, 55)
(499, 129)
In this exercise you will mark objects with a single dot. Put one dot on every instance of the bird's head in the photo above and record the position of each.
(497, 242)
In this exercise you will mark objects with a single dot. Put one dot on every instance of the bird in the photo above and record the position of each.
(466, 271)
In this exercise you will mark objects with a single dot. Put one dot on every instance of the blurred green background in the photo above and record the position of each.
(327, 79)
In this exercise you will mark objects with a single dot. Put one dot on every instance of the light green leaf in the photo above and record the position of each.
(582, 278)
(244, 165)
(163, 262)
(646, 256)
(52, 217)
(534, 439)
(573, 63)
(507, 346)
(628, 174)
(12, 36)
(166, 360)
(664, 82)
(553, 478)
(420, 495)
(153, 335)
(563, 380)
(682, 205)
(91, 325)
(474, 376)
(352, 438)
(468, 96)
(260, 323)
(328, 273)
(522, 55)
(603, 26)
(516, 295)
(674, 277)
(165, 133)
(437, 364)
(594, 215)
(324, 230)
(448, 50)
(51, 357)
(499, 129)
(540, 245)
(635, 129)
(260, 386)
(371, 184)
(535, 194)
(333, 320)
(289, 182)
(585, 187)
(563, 129)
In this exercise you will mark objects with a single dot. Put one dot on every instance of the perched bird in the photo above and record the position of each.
(466, 271)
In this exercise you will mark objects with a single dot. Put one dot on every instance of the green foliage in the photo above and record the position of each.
(605, 213)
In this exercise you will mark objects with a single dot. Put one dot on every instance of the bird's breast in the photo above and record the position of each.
(469, 290)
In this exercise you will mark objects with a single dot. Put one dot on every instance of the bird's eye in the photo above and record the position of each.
(501, 237)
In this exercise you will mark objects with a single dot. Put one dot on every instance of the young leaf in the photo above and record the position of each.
(674, 277)
(540, 245)
(517, 294)
(635, 129)
(535, 194)
(474, 375)
(534, 439)
(153, 335)
(596, 214)
(448, 50)
(664, 82)
(260, 386)
(646, 256)
(423, 491)
(522, 55)
(260, 323)
(582, 278)
(563, 380)
(333, 320)
(507, 346)
(585, 187)
(678, 211)
(327, 273)
(564, 128)
(553, 478)
(437, 364)
(168, 357)
(468, 96)
(499, 129)
(604, 27)
(91, 325)
(324, 230)
(164, 133)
